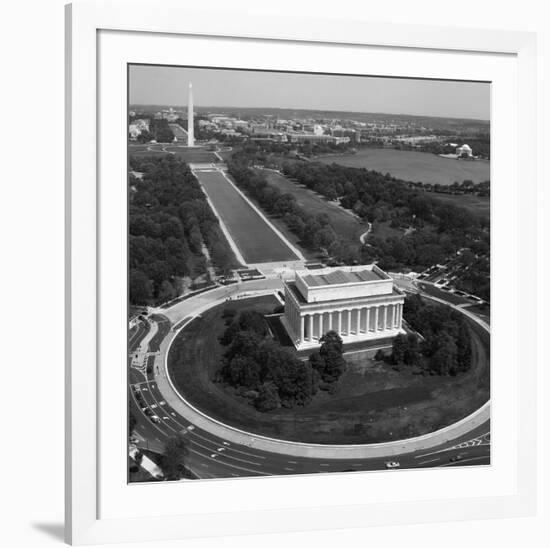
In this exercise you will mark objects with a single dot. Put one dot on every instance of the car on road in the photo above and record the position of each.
(456, 458)
(155, 419)
(391, 464)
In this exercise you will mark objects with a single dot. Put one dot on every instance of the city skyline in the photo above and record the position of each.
(231, 88)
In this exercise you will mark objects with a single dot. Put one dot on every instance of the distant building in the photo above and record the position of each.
(137, 127)
(464, 150)
(360, 303)
(312, 138)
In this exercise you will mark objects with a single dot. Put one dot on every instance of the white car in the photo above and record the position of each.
(392, 464)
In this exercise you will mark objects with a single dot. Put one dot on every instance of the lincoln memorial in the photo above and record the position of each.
(360, 303)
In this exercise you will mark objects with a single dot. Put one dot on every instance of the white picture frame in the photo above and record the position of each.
(85, 441)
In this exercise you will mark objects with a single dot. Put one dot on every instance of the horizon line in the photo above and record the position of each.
(221, 107)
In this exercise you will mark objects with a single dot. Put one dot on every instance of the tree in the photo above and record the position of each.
(132, 422)
(141, 288)
(412, 352)
(331, 338)
(379, 356)
(324, 238)
(329, 361)
(166, 291)
(317, 362)
(244, 371)
(444, 360)
(399, 348)
(268, 398)
(174, 458)
(245, 343)
(335, 364)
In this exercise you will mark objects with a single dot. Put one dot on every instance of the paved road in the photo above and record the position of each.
(213, 457)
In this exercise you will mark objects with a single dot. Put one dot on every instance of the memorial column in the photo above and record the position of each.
(368, 319)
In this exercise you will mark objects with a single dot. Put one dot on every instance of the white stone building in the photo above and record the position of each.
(464, 150)
(360, 303)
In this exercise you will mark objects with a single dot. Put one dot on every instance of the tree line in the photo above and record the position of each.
(159, 130)
(445, 346)
(314, 231)
(268, 374)
(169, 222)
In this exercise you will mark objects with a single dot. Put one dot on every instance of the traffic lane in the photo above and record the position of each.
(201, 445)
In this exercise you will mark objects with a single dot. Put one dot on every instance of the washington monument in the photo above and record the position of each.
(190, 121)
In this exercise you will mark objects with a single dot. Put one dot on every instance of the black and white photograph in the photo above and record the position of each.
(308, 273)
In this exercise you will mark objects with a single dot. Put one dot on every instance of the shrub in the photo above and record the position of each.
(379, 356)
(268, 397)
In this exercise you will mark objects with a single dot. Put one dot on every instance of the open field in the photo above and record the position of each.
(344, 223)
(256, 240)
(413, 166)
(193, 155)
(189, 155)
(373, 402)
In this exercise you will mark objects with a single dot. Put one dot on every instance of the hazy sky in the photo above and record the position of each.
(238, 88)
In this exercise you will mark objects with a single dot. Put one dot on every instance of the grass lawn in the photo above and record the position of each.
(373, 402)
(198, 156)
(189, 155)
(344, 223)
(384, 230)
(256, 240)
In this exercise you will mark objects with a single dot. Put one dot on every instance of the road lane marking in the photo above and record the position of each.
(460, 462)
(428, 461)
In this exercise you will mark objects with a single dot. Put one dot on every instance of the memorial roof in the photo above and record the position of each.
(339, 277)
